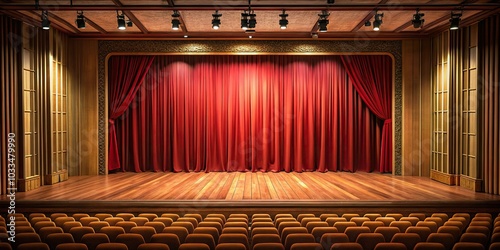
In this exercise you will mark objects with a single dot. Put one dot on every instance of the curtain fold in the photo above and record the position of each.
(372, 78)
(248, 113)
(126, 74)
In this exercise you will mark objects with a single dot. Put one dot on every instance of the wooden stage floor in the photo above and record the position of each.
(295, 191)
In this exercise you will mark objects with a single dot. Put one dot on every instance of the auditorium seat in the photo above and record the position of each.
(57, 215)
(387, 232)
(402, 225)
(259, 219)
(359, 220)
(7, 246)
(41, 224)
(78, 216)
(97, 225)
(23, 229)
(420, 216)
(126, 225)
(468, 246)
(496, 230)
(463, 220)
(191, 220)
(306, 246)
(113, 220)
(444, 238)
(278, 221)
(396, 216)
(112, 232)
(181, 232)
(33, 246)
(201, 238)
(475, 237)
(372, 216)
(306, 220)
(34, 215)
(71, 246)
(353, 232)
(291, 230)
(298, 238)
(390, 246)
(208, 230)
(386, 220)
(285, 224)
(194, 246)
(342, 225)
(346, 246)
(146, 232)
(174, 217)
(265, 238)
(111, 246)
(481, 223)
(92, 240)
(237, 219)
(153, 246)
(328, 239)
(58, 238)
(458, 224)
(125, 216)
(254, 216)
(61, 220)
(87, 220)
(166, 221)
(37, 219)
(172, 240)
(443, 216)
(236, 224)
(369, 240)
(214, 219)
(79, 232)
(430, 224)
(103, 216)
(70, 224)
(463, 215)
(318, 232)
(269, 246)
(139, 221)
(373, 225)
(152, 216)
(26, 238)
(349, 216)
(23, 224)
(438, 220)
(220, 216)
(455, 231)
(234, 238)
(240, 215)
(495, 246)
(184, 224)
(409, 239)
(302, 216)
(323, 217)
(412, 220)
(429, 246)
(235, 230)
(264, 230)
(132, 240)
(313, 224)
(423, 232)
(495, 237)
(261, 224)
(216, 225)
(478, 229)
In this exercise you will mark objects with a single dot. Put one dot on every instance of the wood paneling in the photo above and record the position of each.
(416, 108)
(83, 130)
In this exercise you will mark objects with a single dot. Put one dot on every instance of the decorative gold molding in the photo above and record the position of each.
(450, 179)
(296, 47)
(471, 183)
(30, 183)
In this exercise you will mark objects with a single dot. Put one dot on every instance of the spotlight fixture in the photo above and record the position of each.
(417, 20)
(175, 20)
(45, 20)
(455, 21)
(378, 21)
(283, 21)
(323, 21)
(244, 20)
(368, 23)
(330, 1)
(80, 20)
(251, 20)
(216, 20)
(121, 21)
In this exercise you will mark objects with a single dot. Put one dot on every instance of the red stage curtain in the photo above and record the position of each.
(372, 78)
(126, 74)
(248, 113)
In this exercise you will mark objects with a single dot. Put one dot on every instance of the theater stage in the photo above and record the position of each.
(253, 192)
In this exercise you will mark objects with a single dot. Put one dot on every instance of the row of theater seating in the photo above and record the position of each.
(419, 231)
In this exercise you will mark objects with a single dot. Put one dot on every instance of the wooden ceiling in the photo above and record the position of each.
(152, 18)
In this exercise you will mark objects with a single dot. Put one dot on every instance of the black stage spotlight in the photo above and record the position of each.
(330, 1)
(45, 20)
(283, 21)
(80, 20)
(216, 20)
(378, 21)
(175, 20)
(121, 21)
(251, 20)
(455, 21)
(323, 21)
(244, 20)
(417, 20)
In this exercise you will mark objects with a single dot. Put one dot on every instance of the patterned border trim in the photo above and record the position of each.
(239, 46)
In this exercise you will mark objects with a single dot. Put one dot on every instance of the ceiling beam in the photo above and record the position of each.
(403, 27)
(132, 17)
(335, 7)
(369, 16)
(62, 21)
(96, 26)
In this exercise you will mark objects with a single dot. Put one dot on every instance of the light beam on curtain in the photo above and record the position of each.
(248, 113)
